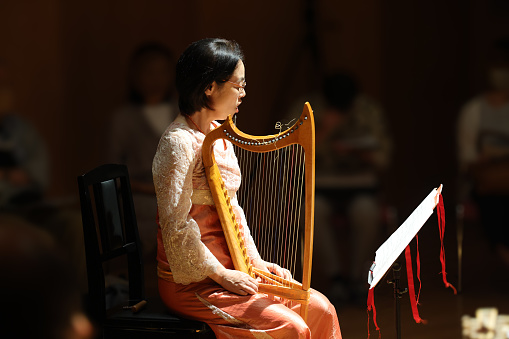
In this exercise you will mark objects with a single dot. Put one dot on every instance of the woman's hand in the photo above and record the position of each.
(272, 268)
(235, 281)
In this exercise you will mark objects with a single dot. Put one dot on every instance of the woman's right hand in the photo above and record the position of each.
(235, 281)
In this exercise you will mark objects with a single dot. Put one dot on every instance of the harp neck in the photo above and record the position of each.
(302, 133)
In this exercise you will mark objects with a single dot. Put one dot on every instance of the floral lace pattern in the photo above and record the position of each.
(177, 170)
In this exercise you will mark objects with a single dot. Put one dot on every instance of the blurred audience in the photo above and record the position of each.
(353, 147)
(40, 296)
(483, 152)
(24, 180)
(138, 126)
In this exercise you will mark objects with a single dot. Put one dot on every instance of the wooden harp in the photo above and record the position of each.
(299, 137)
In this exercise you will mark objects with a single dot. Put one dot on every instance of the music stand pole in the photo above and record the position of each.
(398, 293)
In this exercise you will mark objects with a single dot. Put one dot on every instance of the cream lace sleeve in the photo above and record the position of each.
(189, 259)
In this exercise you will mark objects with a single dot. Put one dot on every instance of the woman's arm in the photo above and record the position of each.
(190, 260)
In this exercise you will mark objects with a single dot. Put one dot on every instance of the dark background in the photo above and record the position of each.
(422, 60)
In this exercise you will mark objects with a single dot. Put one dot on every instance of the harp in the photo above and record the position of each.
(269, 151)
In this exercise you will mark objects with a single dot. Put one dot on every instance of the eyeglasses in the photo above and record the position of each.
(241, 87)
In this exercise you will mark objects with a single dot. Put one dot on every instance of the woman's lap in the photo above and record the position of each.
(231, 314)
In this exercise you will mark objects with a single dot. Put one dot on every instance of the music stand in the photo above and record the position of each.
(387, 254)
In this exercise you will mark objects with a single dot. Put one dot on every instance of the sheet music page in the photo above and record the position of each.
(390, 250)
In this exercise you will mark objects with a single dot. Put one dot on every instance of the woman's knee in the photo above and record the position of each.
(319, 302)
(298, 329)
(289, 323)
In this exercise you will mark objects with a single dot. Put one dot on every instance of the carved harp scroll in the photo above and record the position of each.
(301, 133)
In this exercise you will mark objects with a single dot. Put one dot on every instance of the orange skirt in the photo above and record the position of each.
(252, 316)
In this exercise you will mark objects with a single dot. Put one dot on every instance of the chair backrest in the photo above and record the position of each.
(110, 231)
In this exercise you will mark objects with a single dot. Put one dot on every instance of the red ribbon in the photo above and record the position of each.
(441, 229)
(418, 259)
(371, 306)
(411, 288)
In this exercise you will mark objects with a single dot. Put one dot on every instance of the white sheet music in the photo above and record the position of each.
(397, 242)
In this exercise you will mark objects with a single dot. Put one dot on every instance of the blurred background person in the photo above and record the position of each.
(39, 286)
(483, 152)
(137, 127)
(353, 148)
(24, 162)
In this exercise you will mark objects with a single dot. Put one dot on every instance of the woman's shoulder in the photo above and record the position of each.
(180, 135)
(175, 146)
(178, 125)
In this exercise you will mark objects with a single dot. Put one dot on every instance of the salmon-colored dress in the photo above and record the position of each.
(191, 245)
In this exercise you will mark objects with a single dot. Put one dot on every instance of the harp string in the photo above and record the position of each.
(288, 225)
(262, 218)
(298, 206)
(289, 202)
(281, 194)
(255, 194)
(279, 215)
(291, 199)
(284, 200)
(271, 226)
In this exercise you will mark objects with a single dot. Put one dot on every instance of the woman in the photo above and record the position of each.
(196, 276)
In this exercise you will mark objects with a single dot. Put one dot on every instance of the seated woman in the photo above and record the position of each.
(197, 279)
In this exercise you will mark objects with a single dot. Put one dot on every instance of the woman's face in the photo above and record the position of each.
(225, 99)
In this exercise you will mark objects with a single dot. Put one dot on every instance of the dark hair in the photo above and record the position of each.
(202, 63)
(340, 90)
(142, 54)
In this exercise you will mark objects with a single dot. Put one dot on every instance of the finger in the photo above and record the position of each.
(249, 290)
(280, 272)
(253, 281)
(241, 292)
(274, 269)
(285, 274)
(265, 269)
(252, 286)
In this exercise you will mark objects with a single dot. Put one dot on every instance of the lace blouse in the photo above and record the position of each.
(178, 171)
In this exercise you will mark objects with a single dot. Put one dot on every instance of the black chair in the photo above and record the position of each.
(111, 232)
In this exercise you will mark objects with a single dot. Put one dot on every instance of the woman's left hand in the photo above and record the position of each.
(272, 268)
